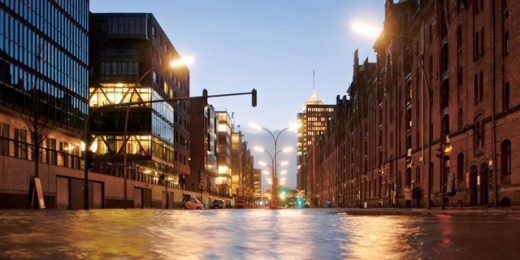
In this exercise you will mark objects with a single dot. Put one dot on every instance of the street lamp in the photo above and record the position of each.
(444, 149)
(273, 157)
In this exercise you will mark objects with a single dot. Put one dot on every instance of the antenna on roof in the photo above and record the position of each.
(313, 80)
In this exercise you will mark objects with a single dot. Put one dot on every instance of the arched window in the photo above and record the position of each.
(478, 136)
(506, 162)
(445, 127)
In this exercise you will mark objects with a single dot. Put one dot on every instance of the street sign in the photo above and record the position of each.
(39, 192)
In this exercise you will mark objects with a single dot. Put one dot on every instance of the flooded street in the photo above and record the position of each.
(253, 234)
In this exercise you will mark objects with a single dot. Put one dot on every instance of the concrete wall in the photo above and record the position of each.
(60, 188)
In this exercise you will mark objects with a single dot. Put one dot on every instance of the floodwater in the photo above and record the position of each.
(254, 234)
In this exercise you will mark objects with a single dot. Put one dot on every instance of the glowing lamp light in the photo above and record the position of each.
(365, 29)
(262, 163)
(284, 163)
(287, 149)
(259, 148)
(255, 126)
(186, 61)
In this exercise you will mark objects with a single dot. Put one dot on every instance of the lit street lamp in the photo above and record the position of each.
(273, 157)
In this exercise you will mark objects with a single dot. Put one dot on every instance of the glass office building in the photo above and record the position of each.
(44, 51)
(129, 59)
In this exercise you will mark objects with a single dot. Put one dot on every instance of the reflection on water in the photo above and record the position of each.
(253, 234)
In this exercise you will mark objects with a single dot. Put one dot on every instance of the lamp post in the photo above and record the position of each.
(88, 137)
(273, 157)
(445, 148)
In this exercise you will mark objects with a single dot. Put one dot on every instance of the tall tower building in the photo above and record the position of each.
(313, 122)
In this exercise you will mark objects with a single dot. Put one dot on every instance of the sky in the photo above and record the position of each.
(270, 45)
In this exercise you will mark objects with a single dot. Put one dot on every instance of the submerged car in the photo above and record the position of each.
(241, 204)
(192, 203)
(217, 204)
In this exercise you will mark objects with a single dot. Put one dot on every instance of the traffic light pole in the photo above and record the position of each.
(88, 137)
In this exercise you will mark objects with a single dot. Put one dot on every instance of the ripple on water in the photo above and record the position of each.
(252, 234)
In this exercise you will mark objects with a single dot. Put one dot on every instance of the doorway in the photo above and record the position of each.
(484, 184)
(473, 186)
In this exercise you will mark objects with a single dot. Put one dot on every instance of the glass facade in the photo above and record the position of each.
(127, 65)
(44, 50)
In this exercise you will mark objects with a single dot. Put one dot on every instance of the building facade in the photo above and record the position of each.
(203, 134)
(43, 96)
(257, 183)
(433, 121)
(222, 182)
(130, 54)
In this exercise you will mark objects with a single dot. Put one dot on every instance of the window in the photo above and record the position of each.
(445, 94)
(506, 43)
(505, 97)
(476, 89)
(51, 151)
(20, 144)
(4, 137)
(481, 86)
(408, 177)
(478, 6)
(445, 127)
(461, 118)
(478, 137)
(460, 168)
(476, 46)
(506, 162)
(481, 42)
(459, 37)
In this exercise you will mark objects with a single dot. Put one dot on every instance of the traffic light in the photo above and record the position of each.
(253, 98)
(205, 96)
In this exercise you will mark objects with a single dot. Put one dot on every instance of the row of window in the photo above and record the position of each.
(46, 18)
(119, 68)
(126, 26)
(51, 151)
(32, 50)
(76, 9)
(62, 100)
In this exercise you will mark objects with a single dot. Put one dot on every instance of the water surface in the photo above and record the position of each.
(254, 234)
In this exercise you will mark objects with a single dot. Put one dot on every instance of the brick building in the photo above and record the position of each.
(434, 118)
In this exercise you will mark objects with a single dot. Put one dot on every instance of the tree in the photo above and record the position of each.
(39, 118)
